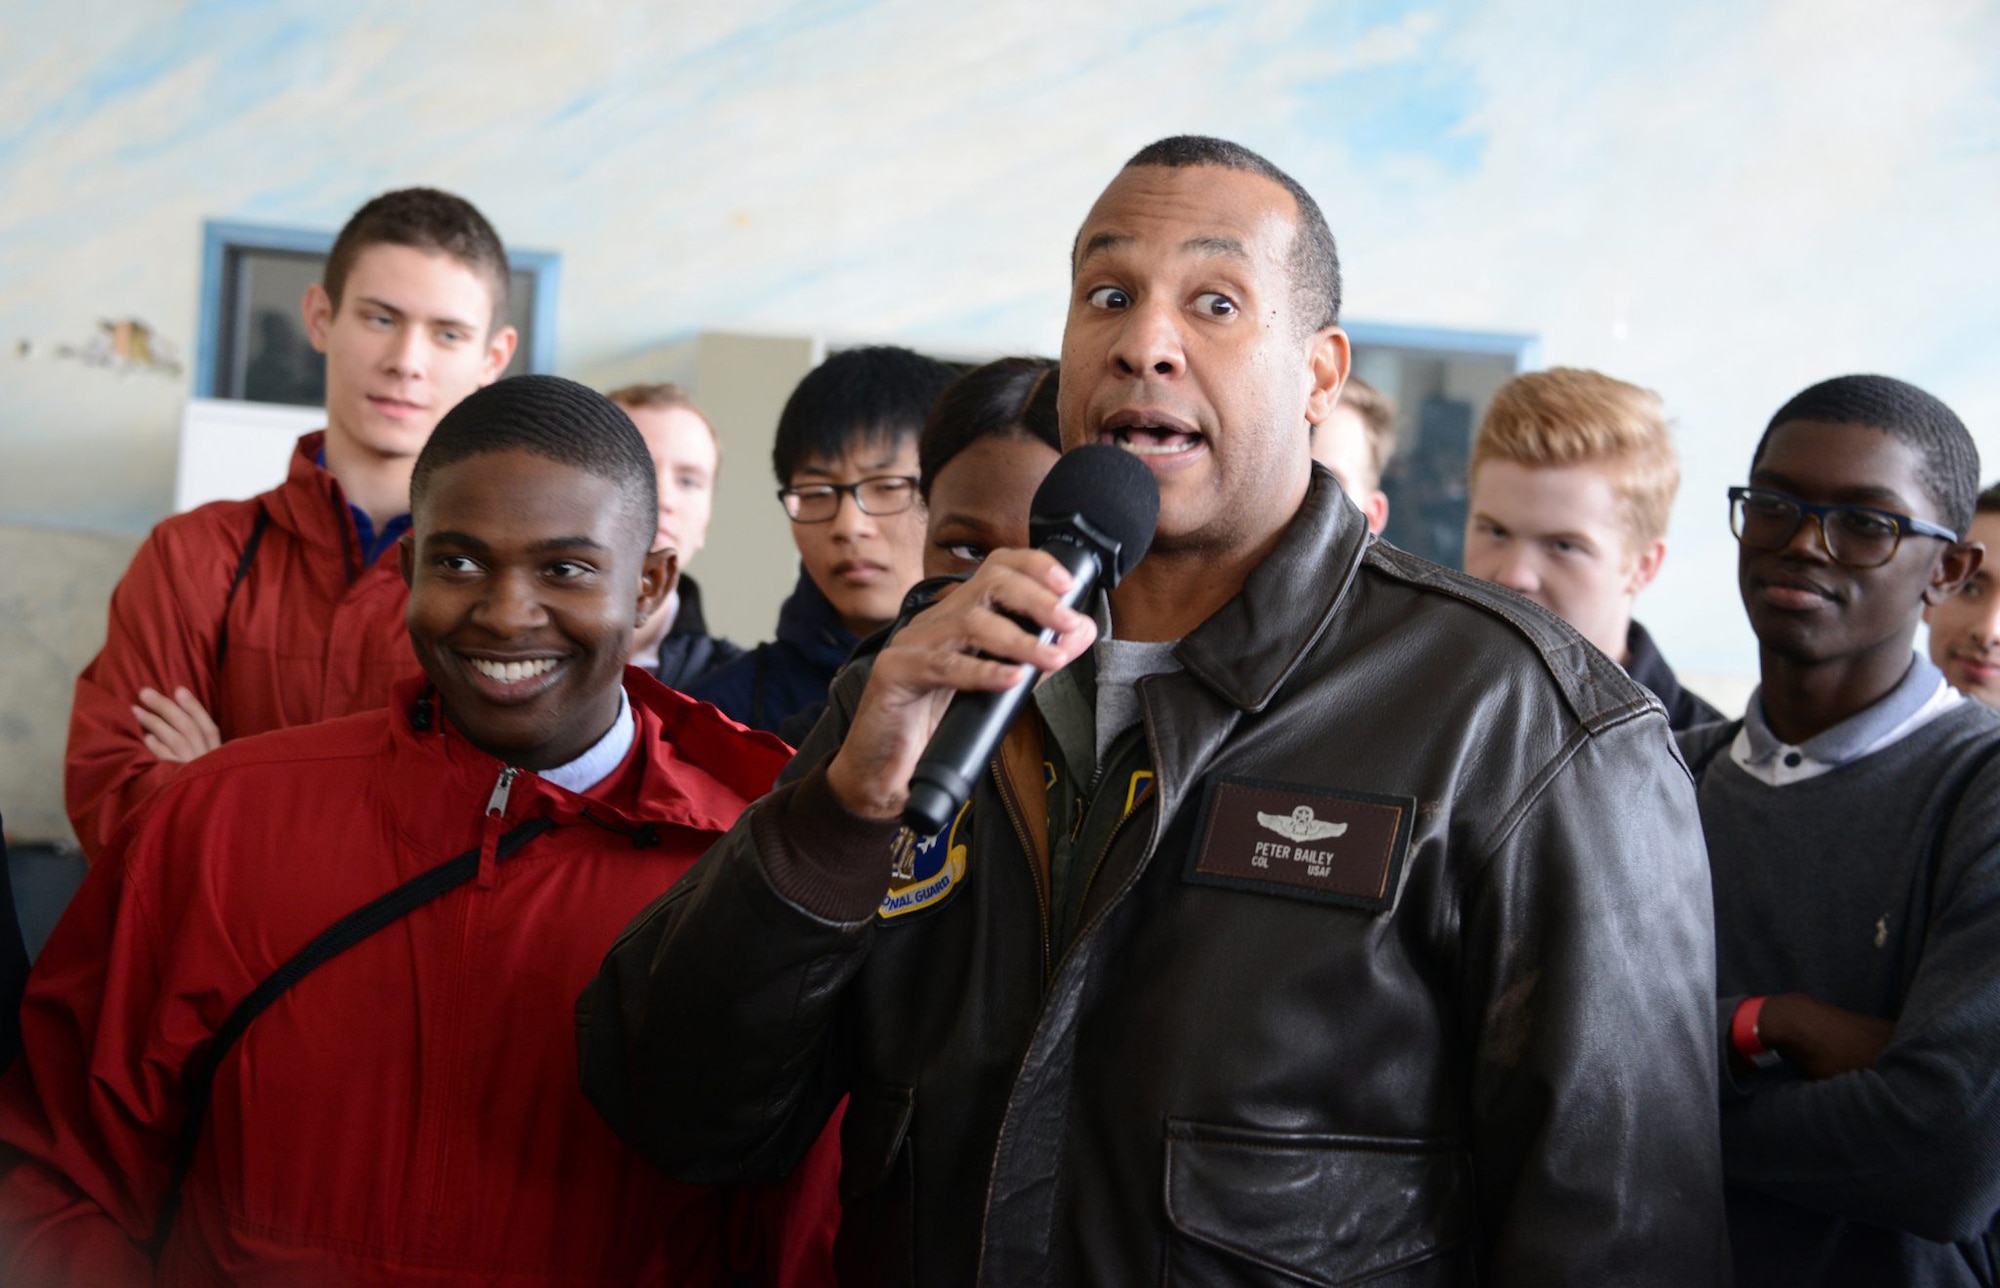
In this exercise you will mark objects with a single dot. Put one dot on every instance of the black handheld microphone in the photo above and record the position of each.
(1095, 513)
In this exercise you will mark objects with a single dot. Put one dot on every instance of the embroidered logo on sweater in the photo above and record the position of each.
(923, 870)
(1302, 842)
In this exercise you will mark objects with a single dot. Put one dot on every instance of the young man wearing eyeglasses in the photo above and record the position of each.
(1853, 826)
(846, 461)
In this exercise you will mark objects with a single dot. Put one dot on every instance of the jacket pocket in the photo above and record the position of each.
(1263, 1207)
(876, 1242)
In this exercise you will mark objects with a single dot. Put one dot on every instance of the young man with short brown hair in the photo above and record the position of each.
(243, 616)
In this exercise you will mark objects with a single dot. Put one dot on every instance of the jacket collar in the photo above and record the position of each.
(808, 623)
(1248, 648)
(698, 771)
(311, 506)
(1644, 664)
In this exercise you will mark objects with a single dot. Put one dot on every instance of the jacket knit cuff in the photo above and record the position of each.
(817, 854)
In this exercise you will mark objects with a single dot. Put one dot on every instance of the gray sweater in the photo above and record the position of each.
(1875, 887)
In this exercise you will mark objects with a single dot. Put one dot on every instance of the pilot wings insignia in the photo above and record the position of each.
(1300, 825)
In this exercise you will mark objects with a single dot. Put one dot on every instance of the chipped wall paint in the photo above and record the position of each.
(1722, 201)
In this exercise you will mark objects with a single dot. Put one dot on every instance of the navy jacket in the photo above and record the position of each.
(786, 677)
(689, 652)
(1685, 709)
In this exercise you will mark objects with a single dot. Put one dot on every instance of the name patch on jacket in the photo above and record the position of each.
(1302, 842)
(924, 869)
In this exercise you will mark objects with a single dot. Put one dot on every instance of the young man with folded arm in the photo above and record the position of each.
(243, 616)
(1853, 825)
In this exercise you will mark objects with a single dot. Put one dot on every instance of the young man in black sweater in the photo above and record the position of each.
(1853, 827)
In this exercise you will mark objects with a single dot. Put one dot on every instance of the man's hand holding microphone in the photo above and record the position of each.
(946, 687)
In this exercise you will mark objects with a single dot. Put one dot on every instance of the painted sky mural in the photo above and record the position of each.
(1721, 201)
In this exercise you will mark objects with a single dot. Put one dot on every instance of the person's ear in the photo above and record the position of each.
(406, 557)
(1329, 362)
(1377, 511)
(499, 352)
(1647, 565)
(1954, 567)
(317, 310)
(657, 578)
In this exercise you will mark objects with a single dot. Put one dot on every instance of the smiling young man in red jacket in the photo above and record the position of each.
(243, 616)
(408, 1111)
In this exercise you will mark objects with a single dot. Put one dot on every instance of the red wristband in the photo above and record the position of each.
(1743, 1033)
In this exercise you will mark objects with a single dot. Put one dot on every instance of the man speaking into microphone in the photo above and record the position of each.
(1325, 916)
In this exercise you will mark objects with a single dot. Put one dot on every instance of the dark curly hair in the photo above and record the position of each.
(1948, 461)
(558, 420)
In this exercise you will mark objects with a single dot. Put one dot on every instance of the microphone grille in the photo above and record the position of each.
(1109, 487)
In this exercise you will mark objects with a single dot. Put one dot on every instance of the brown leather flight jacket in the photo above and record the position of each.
(1455, 1028)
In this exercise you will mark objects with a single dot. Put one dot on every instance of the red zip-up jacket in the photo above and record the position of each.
(409, 1112)
(312, 635)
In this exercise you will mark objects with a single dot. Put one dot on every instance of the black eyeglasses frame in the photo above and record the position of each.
(789, 497)
(1904, 524)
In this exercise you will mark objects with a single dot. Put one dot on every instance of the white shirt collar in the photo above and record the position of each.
(1776, 763)
(598, 763)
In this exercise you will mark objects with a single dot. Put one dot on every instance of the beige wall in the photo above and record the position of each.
(52, 607)
(742, 382)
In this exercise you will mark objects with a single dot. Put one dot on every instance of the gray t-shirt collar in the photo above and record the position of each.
(1086, 724)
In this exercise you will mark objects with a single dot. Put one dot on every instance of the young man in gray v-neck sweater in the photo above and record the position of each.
(1853, 827)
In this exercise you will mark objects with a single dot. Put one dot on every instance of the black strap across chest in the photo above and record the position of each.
(328, 944)
(249, 556)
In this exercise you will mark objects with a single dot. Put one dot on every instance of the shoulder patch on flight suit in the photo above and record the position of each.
(926, 869)
(1301, 842)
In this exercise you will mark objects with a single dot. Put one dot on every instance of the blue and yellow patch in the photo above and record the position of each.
(1135, 791)
(926, 869)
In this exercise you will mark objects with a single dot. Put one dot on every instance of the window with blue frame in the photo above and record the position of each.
(1441, 381)
(253, 345)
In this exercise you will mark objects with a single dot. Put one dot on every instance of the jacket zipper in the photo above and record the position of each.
(496, 819)
(1153, 755)
(496, 804)
(1083, 896)
(439, 1099)
(1012, 810)
(1082, 810)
